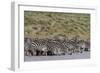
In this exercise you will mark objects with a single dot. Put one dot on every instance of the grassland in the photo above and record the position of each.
(56, 25)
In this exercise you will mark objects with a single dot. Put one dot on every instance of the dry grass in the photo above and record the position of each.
(56, 25)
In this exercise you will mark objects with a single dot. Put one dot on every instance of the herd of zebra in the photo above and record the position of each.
(54, 47)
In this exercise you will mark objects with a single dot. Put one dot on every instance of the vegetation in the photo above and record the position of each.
(56, 25)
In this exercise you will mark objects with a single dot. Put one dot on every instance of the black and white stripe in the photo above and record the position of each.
(49, 47)
(39, 46)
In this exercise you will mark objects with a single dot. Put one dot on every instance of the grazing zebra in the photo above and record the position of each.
(71, 49)
(76, 46)
(27, 46)
(39, 47)
(55, 47)
(83, 46)
(65, 45)
(87, 46)
(50, 47)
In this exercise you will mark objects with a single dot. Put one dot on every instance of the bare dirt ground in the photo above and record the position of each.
(85, 55)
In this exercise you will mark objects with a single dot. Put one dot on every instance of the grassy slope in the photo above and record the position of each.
(51, 25)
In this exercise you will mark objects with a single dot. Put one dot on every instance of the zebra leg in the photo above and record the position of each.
(86, 49)
(49, 53)
(25, 52)
(37, 52)
(69, 52)
(30, 52)
(81, 50)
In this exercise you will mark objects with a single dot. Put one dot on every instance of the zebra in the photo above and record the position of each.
(64, 45)
(39, 47)
(71, 48)
(76, 46)
(87, 46)
(55, 47)
(83, 46)
(50, 47)
(27, 46)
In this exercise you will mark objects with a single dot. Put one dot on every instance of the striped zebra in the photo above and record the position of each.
(39, 47)
(55, 47)
(75, 46)
(27, 46)
(84, 46)
(65, 45)
(71, 48)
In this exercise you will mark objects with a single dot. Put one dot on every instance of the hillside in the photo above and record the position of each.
(56, 25)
